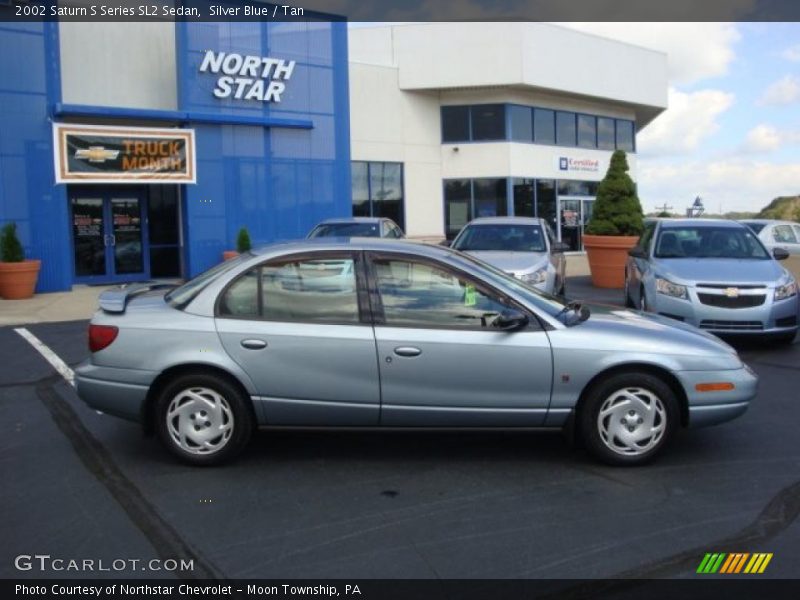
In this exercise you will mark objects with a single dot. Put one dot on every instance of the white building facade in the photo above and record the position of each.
(453, 121)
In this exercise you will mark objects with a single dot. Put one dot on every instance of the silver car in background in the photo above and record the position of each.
(521, 246)
(378, 333)
(379, 227)
(777, 234)
(715, 275)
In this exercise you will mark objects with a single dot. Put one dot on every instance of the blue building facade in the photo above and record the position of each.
(276, 166)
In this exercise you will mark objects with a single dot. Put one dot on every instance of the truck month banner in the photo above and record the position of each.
(100, 154)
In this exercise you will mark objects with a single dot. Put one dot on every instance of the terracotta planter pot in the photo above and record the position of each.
(607, 255)
(18, 279)
(229, 254)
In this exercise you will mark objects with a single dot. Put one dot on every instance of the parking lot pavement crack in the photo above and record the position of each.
(779, 513)
(166, 541)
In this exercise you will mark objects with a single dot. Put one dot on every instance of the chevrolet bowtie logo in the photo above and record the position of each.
(732, 292)
(96, 154)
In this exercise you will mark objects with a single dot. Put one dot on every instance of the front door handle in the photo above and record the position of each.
(408, 351)
(254, 344)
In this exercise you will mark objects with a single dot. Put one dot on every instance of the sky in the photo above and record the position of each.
(731, 133)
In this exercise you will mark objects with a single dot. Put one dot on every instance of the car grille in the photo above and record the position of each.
(720, 301)
(732, 325)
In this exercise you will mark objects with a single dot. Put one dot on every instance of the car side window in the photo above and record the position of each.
(647, 236)
(784, 234)
(419, 294)
(318, 290)
(240, 299)
(797, 231)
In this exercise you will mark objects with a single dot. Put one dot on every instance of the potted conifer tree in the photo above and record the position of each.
(243, 244)
(18, 276)
(616, 224)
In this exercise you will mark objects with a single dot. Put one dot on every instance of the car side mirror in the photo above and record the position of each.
(780, 253)
(510, 319)
(559, 247)
(637, 252)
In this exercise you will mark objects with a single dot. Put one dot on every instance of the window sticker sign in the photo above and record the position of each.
(101, 154)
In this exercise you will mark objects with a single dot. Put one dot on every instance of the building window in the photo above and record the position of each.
(565, 128)
(488, 122)
(378, 190)
(518, 123)
(163, 224)
(570, 187)
(546, 200)
(544, 126)
(489, 197)
(467, 199)
(457, 205)
(455, 124)
(520, 118)
(587, 131)
(524, 197)
(360, 186)
(625, 135)
(605, 133)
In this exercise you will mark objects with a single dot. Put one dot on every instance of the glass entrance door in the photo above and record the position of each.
(109, 237)
(573, 215)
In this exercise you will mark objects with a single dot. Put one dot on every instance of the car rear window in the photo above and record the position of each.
(183, 294)
(346, 230)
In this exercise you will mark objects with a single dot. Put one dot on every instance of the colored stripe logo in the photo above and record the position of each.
(734, 563)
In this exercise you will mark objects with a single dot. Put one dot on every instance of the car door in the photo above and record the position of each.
(299, 326)
(638, 267)
(441, 361)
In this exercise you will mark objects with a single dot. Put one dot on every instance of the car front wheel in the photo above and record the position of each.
(628, 418)
(203, 419)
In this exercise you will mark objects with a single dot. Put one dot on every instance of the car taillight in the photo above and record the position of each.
(101, 336)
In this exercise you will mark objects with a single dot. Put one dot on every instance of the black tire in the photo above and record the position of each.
(604, 391)
(642, 300)
(234, 410)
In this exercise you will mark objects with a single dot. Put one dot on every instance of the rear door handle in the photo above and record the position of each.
(408, 351)
(254, 344)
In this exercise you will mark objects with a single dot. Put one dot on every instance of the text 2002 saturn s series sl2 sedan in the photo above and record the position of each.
(378, 333)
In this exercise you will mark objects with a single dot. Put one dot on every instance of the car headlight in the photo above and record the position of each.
(786, 291)
(539, 276)
(675, 290)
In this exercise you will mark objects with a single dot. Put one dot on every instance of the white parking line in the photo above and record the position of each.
(51, 357)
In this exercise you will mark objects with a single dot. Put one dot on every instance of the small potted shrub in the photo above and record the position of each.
(243, 244)
(17, 276)
(616, 224)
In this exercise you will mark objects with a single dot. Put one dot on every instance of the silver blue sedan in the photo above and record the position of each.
(377, 333)
(715, 275)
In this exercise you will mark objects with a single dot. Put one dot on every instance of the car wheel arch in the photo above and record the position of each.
(169, 374)
(662, 373)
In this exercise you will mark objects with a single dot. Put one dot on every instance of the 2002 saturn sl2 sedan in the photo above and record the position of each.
(378, 333)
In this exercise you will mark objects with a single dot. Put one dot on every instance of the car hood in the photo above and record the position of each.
(719, 270)
(512, 261)
(650, 332)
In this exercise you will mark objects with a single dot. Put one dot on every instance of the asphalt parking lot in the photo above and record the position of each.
(391, 505)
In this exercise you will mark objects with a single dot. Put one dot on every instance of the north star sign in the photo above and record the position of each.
(248, 77)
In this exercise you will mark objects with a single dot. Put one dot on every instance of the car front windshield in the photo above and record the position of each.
(708, 241)
(183, 294)
(548, 303)
(346, 230)
(502, 238)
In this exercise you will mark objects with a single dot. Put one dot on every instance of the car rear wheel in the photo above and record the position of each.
(628, 418)
(203, 419)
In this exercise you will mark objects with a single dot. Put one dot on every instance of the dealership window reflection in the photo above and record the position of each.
(377, 189)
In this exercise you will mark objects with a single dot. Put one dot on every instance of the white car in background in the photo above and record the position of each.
(777, 234)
